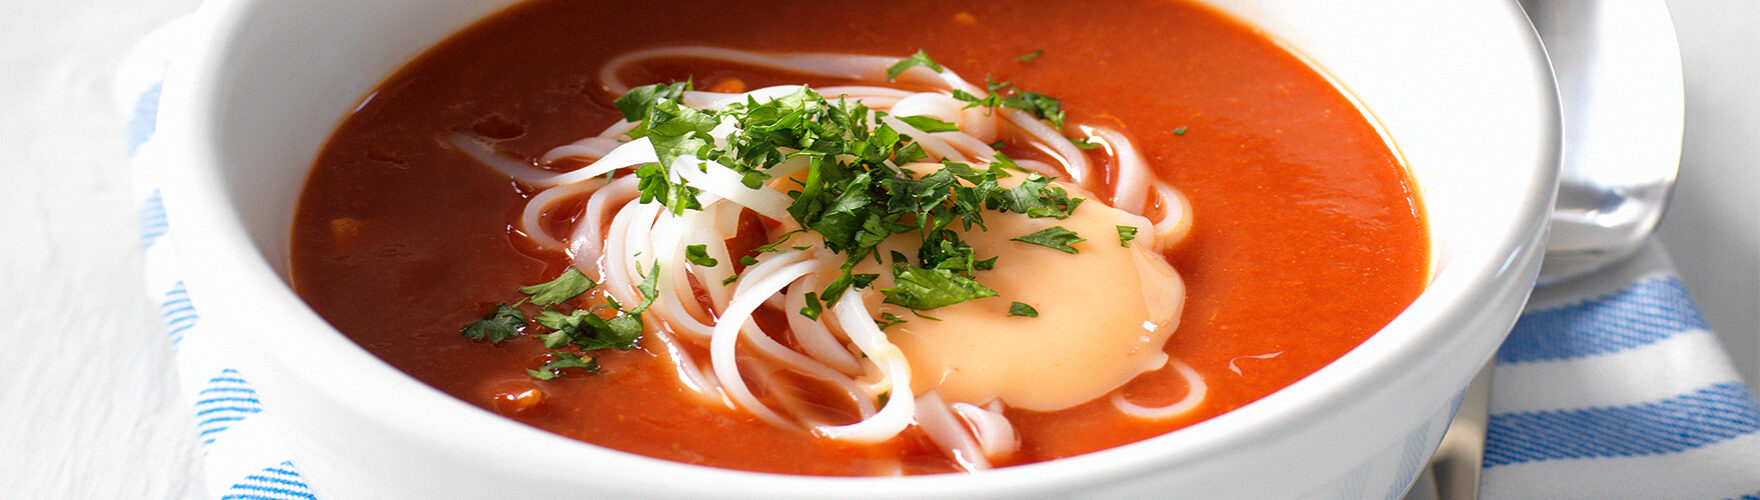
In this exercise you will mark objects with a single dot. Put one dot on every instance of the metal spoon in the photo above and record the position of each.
(1618, 69)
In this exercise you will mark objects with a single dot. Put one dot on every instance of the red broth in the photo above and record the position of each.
(1307, 239)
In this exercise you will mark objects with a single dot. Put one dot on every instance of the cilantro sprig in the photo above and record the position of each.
(605, 326)
(1055, 237)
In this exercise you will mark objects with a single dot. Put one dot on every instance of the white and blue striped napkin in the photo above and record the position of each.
(242, 455)
(1613, 386)
(1608, 387)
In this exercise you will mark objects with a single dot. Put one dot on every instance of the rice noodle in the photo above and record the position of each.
(852, 67)
(1196, 389)
(702, 309)
(944, 428)
(531, 220)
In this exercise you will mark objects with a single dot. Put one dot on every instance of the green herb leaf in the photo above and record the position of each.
(918, 59)
(636, 103)
(650, 289)
(887, 320)
(699, 255)
(559, 361)
(1036, 198)
(1084, 144)
(1126, 234)
(589, 331)
(928, 124)
(502, 324)
(1179, 131)
(1023, 310)
(1030, 56)
(924, 289)
(1054, 237)
(1040, 105)
(813, 308)
(562, 289)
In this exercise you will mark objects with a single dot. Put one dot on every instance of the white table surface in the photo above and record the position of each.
(89, 406)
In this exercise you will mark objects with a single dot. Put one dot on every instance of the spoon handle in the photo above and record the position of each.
(1618, 69)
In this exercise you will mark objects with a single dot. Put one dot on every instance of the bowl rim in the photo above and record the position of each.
(217, 238)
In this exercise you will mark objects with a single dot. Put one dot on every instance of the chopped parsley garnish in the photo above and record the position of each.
(928, 124)
(918, 59)
(699, 255)
(1054, 237)
(1022, 310)
(1030, 56)
(887, 320)
(1084, 144)
(814, 307)
(589, 331)
(650, 288)
(1126, 234)
(563, 360)
(1179, 131)
(502, 324)
(580, 329)
(562, 289)
(923, 289)
(1041, 106)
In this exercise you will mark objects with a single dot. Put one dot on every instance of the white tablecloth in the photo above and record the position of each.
(89, 409)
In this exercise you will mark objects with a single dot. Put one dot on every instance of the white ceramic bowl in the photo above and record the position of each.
(1461, 87)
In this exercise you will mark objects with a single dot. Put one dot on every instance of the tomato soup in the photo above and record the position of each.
(1306, 235)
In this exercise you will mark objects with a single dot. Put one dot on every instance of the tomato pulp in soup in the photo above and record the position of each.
(1307, 237)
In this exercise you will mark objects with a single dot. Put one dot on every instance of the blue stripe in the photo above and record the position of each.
(144, 120)
(178, 312)
(237, 401)
(240, 409)
(221, 419)
(247, 491)
(1642, 314)
(1715, 413)
(1751, 496)
(229, 400)
(263, 486)
(151, 218)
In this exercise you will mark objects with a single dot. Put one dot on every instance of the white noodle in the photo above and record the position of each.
(1195, 392)
(1075, 164)
(852, 67)
(587, 243)
(1130, 187)
(814, 337)
(631, 153)
(992, 430)
(530, 221)
(844, 348)
(727, 333)
(944, 428)
(592, 148)
(852, 314)
(1176, 216)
